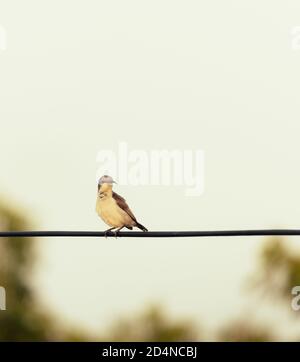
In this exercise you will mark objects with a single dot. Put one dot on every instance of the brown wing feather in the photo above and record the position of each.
(121, 202)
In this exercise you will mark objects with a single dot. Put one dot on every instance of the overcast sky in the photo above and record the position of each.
(80, 77)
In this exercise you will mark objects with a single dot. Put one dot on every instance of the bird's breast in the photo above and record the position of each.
(109, 212)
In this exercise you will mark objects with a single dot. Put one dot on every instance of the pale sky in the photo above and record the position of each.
(79, 77)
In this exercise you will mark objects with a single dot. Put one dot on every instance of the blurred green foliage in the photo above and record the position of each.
(279, 269)
(152, 325)
(277, 273)
(24, 318)
(244, 330)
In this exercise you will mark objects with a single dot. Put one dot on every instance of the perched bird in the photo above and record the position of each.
(113, 209)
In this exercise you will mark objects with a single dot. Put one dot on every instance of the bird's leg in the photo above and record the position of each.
(106, 231)
(117, 231)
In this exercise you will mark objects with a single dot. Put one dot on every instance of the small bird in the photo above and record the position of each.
(113, 209)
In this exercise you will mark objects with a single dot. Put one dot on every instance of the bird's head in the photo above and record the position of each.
(105, 182)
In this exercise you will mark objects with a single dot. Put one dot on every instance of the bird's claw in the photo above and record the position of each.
(106, 232)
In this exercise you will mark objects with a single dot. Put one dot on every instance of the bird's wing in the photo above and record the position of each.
(121, 202)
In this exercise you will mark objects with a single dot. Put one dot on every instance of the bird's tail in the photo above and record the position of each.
(140, 226)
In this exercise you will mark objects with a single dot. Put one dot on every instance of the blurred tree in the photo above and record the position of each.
(23, 319)
(151, 326)
(244, 331)
(279, 270)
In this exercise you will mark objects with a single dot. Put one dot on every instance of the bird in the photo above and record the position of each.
(113, 209)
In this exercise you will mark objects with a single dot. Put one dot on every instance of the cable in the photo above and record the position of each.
(151, 234)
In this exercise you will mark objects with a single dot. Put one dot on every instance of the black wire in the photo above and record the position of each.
(151, 234)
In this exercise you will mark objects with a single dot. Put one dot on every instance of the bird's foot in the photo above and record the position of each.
(117, 231)
(107, 231)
